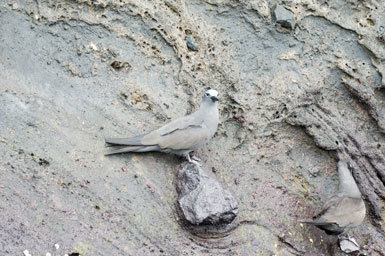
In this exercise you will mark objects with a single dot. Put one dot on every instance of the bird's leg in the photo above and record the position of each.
(351, 239)
(194, 161)
(188, 157)
(196, 158)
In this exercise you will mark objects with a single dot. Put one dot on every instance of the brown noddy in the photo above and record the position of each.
(344, 210)
(180, 136)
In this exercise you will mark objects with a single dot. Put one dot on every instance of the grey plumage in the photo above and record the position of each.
(344, 210)
(180, 136)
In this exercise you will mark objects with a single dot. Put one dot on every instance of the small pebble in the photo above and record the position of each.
(26, 253)
(190, 42)
(57, 246)
(349, 245)
(48, 254)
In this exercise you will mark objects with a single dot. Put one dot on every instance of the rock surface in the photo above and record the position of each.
(74, 72)
(202, 199)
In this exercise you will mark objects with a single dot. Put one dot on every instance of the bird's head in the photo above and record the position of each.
(211, 96)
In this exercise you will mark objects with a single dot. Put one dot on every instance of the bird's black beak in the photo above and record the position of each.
(214, 99)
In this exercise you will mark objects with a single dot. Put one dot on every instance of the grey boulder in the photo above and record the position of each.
(284, 17)
(202, 199)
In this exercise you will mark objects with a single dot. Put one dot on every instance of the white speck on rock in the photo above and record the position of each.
(26, 253)
(57, 246)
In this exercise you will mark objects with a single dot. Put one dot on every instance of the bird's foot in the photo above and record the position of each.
(345, 237)
(195, 160)
(196, 163)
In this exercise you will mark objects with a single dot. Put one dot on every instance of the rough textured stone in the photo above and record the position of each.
(202, 199)
(349, 246)
(284, 17)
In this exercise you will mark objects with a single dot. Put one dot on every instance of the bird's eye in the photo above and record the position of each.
(207, 94)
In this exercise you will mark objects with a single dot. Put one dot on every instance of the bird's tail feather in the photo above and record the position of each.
(307, 221)
(132, 141)
(315, 222)
(132, 149)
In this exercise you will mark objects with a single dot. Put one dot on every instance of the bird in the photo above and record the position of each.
(180, 136)
(344, 210)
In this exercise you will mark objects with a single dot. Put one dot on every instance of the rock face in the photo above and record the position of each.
(202, 199)
(74, 72)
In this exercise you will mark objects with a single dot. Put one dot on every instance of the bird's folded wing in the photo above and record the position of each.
(348, 210)
(332, 201)
(179, 124)
(173, 130)
(327, 207)
(183, 139)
